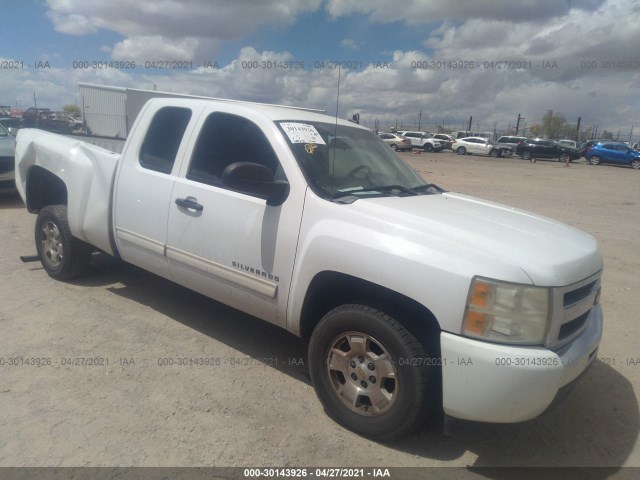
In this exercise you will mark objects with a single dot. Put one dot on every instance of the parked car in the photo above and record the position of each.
(585, 146)
(45, 119)
(7, 159)
(511, 141)
(74, 122)
(462, 134)
(483, 146)
(422, 140)
(568, 143)
(445, 139)
(395, 141)
(11, 124)
(542, 148)
(616, 153)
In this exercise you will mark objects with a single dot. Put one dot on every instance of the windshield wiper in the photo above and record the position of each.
(390, 188)
(383, 189)
(351, 195)
(428, 186)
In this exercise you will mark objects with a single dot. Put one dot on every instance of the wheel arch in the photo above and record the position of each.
(44, 188)
(329, 289)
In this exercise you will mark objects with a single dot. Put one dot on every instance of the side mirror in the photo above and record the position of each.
(255, 179)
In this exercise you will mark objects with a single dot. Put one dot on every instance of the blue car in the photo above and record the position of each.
(616, 153)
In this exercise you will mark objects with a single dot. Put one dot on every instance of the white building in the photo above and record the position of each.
(110, 111)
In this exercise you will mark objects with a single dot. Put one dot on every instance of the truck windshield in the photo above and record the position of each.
(349, 162)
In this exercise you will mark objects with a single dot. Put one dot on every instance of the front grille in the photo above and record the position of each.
(571, 309)
(569, 328)
(578, 294)
(6, 164)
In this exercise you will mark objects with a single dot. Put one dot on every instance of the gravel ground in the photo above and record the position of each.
(128, 410)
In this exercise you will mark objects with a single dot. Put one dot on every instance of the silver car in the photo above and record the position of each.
(396, 142)
(7, 160)
(481, 145)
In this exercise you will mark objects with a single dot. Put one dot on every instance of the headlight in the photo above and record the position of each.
(506, 312)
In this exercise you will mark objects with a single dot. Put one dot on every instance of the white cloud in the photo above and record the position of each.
(485, 32)
(173, 20)
(415, 12)
(350, 44)
(72, 24)
(154, 48)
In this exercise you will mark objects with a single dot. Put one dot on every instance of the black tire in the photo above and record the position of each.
(635, 164)
(526, 155)
(394, 147)
(495, 153)
(427, 147)
(594, 160)
(563, 157)
(461, 151)
(346, 391)
(62, 255)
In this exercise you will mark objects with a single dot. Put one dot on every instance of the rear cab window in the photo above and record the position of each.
(161, 143)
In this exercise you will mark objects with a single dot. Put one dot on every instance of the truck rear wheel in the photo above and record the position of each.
(370, 373)
(62, 255)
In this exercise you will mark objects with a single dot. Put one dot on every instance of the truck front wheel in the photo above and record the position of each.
(62, 255)
(370, 373)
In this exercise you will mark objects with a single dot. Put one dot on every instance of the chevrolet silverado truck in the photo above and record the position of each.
(415, 301)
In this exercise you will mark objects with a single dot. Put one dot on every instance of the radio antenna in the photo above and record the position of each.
(335, 134)
(338, 99)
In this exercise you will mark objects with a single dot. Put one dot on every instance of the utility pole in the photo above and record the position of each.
(419, 119)
(578, 129)
(518, 124)
(35, 105)
(470, 122)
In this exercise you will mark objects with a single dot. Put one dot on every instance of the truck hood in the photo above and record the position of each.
(549, 252)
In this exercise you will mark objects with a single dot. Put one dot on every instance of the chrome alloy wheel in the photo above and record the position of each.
(51, 244)
(362, 373)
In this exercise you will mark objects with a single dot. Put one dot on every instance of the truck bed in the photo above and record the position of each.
(88, 167)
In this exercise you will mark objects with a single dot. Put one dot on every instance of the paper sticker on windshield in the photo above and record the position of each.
(302, 133)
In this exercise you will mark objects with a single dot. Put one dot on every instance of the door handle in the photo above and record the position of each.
(189, 203)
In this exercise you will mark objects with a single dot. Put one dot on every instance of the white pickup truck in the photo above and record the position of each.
(414, 300)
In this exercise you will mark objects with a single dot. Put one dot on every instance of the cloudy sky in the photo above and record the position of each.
(448, 59)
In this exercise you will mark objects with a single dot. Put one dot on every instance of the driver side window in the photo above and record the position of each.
(225, 139)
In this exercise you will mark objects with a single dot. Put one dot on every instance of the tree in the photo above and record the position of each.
(535, 130)
(71, 109)
(607, 135)
(552, 125)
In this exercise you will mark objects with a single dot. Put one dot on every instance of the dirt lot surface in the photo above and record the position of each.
(130, 410)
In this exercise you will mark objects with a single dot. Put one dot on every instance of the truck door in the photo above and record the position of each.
(144, 184)
(227, 245)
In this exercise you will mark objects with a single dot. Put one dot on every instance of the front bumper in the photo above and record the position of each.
(488, 382)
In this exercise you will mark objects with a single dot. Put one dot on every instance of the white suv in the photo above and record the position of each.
(422, 140)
